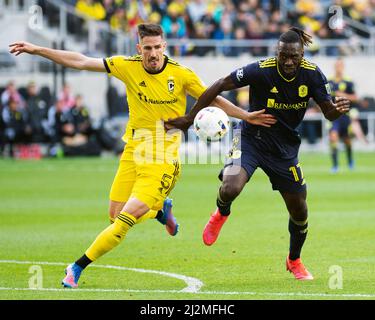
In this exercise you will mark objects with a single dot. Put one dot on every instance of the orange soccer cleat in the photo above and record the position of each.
(212, 229)
(298, 269)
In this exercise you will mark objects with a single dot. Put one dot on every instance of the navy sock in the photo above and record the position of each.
(159, 215)
(334, 155)
(224, 207)
(298, 235)
(349, 154)
(83, 262)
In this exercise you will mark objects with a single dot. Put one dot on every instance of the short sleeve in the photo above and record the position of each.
(350, 88)
(321, 88)
(194, 85)
(116, 66)
(245, 76)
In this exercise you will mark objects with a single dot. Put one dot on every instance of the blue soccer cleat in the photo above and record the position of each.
(335, 169)
(168, 219)
(351, 165)
(73, 272)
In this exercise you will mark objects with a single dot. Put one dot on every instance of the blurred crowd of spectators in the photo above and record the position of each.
(231, 19)
(28, 115)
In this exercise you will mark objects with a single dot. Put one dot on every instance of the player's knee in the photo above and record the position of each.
(298, 210)
(229, 192)
(115, 208)
(113, 214)
(333, 137)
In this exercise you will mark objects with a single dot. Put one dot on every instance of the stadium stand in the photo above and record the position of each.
(227, 29)
(226, 19)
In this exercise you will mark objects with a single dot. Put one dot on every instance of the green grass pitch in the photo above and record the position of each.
(51, 211)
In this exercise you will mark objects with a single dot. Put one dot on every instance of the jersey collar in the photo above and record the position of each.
(281, 75)
(162, 68)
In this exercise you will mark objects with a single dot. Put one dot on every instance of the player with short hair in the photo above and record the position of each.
(283, 84)
(149, 167)
(341, 85)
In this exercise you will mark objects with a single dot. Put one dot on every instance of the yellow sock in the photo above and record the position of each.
(111, 220)
(148, 215)
(111, 236)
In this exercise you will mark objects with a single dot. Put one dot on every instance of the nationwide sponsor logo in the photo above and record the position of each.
(303, 91)
(144, 98)
(271, 103)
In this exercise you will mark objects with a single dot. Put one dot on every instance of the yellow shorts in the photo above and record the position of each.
(150, 183)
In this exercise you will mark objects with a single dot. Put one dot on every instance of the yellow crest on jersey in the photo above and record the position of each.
(302, 91)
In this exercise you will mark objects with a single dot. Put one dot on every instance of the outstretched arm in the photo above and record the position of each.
(259, 118)
(183, 123)
(210, 97)
(333, 110)
(68, 59)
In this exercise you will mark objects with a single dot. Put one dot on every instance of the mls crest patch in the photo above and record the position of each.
(239, 74)
(302, 91)
(328, 88)
(170, 85)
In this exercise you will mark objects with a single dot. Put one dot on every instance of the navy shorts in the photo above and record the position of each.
(342, 126)
(285, 175)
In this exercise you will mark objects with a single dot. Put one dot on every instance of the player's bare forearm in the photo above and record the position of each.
(332, 111)
(223, 84)
(65, 58)
(211, 96)
(68, 59)
(206, 99)
(229, 108)
(256, 117)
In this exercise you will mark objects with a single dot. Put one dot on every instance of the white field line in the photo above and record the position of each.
(193, 287)
(232, 293)
(192, 284)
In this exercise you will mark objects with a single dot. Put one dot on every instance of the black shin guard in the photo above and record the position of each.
(224, 207)
(298, 233)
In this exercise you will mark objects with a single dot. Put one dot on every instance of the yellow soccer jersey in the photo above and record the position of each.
(153, 97)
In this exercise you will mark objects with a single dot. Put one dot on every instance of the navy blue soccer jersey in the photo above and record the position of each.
(341, 124)
(286, 99)
(345, 85)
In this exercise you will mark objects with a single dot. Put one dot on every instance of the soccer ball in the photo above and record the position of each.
(211, 124)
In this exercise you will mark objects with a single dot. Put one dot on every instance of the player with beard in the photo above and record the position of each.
(283, 85)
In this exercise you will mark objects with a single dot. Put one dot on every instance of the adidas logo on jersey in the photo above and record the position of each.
(142, 84)
(274, 90)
